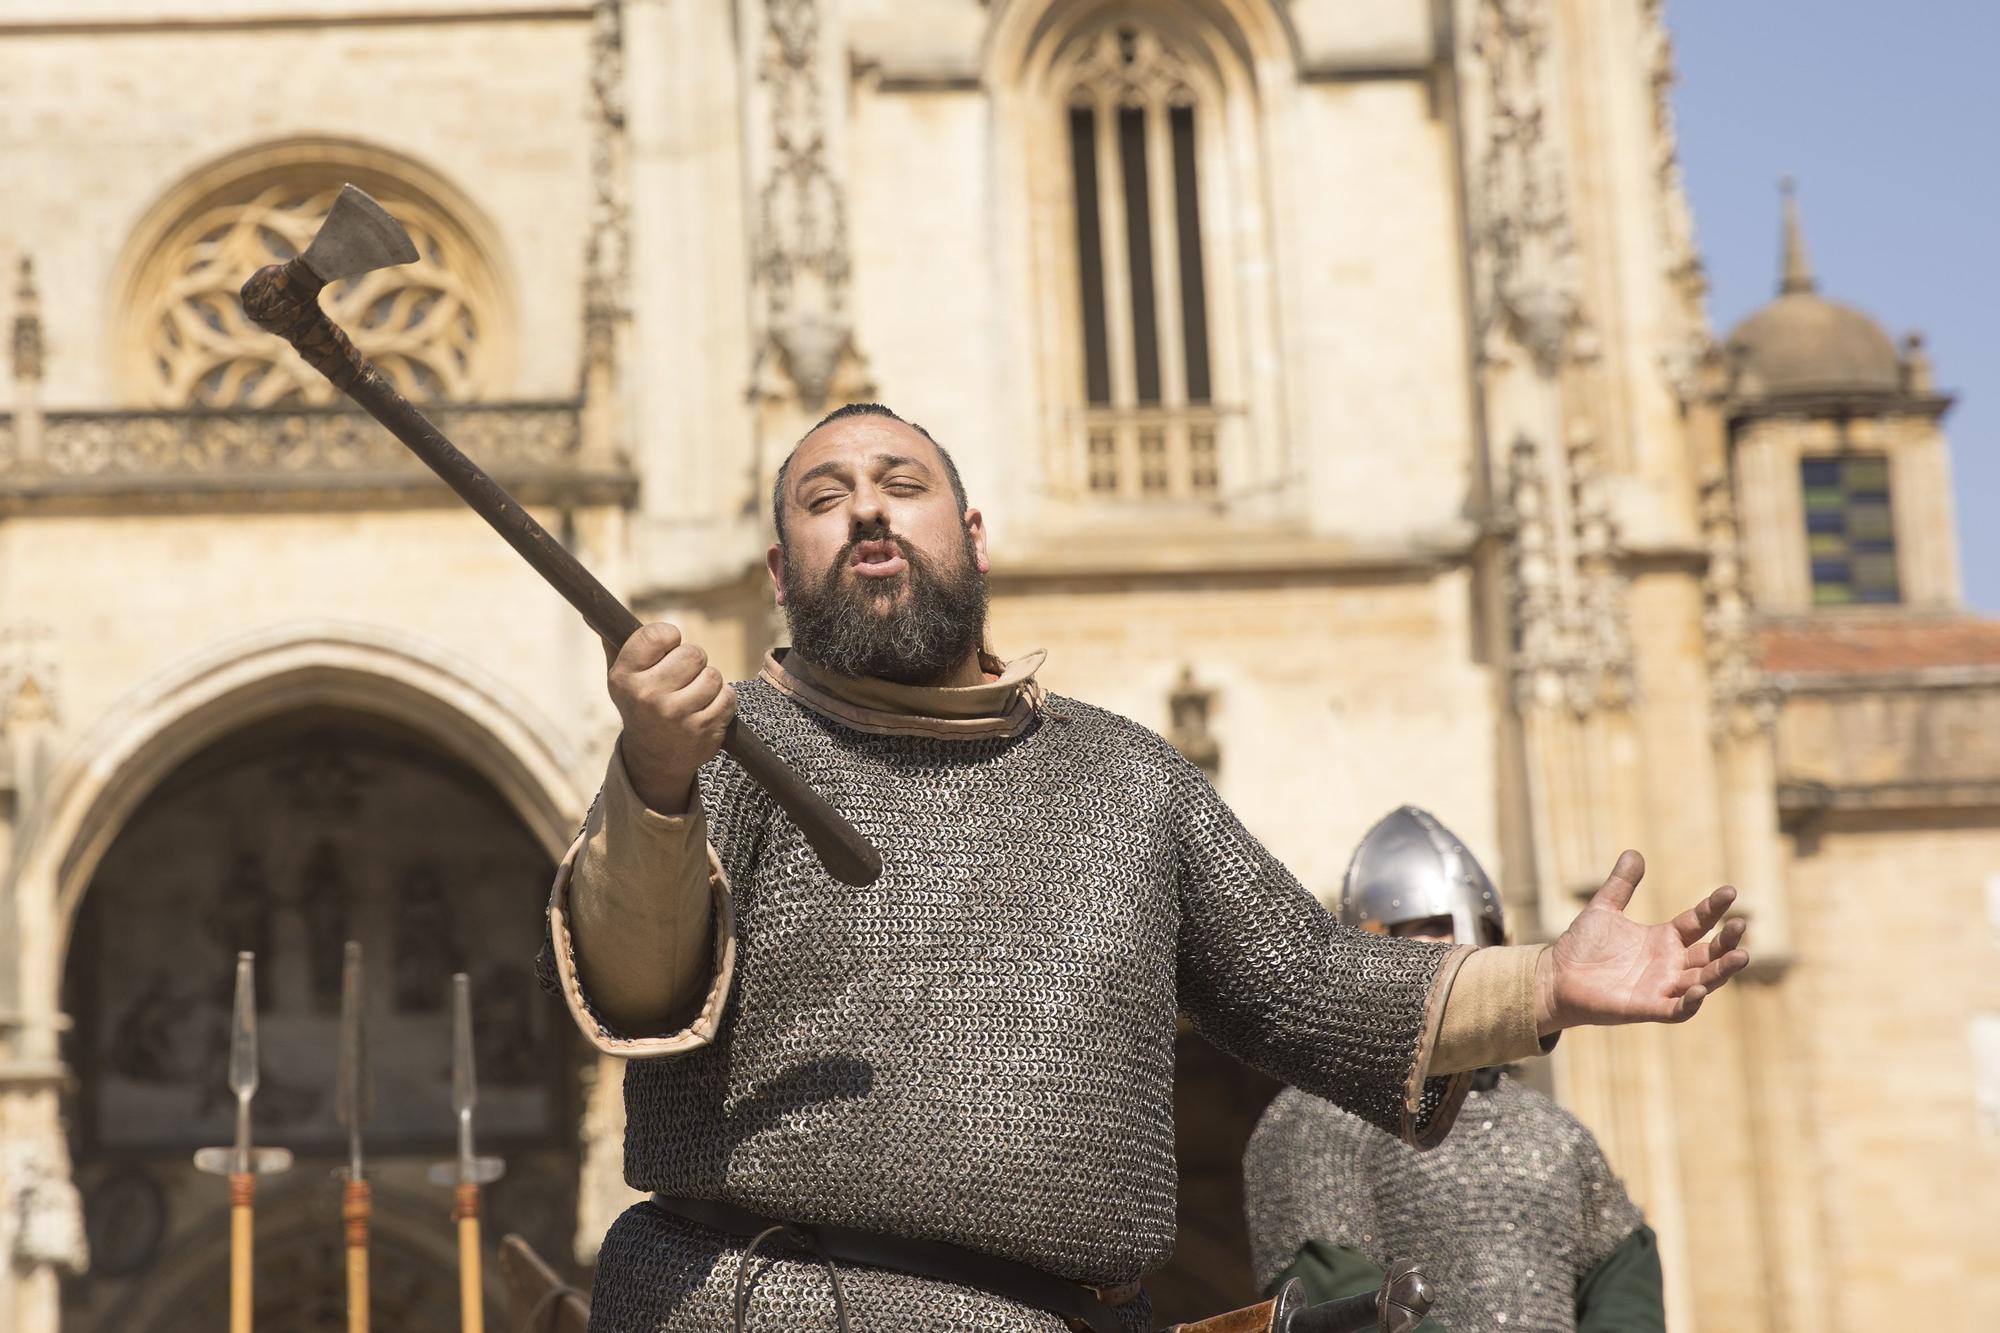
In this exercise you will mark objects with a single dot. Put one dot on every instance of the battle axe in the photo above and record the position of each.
(358, 237)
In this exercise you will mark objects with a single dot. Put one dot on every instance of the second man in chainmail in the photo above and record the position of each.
(944, 1101)
(1516, 1219)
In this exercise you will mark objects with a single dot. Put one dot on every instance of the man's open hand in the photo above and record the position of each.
(1608, 969)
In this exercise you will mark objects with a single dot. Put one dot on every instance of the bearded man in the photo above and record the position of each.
(945, 1100)
(1516, 1219)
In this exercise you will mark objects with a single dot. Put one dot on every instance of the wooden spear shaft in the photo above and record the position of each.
(471, 1312)
(242, 1258)
(356, 1205)
(355, 1099)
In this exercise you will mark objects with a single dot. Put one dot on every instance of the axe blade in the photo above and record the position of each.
(357, 237)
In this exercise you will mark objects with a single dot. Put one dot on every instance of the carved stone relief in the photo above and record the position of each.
(608, 252)
(1527, 281)
(1686, 277)
(799, 255)
(1744, 702)
(1189, 730)
(27, 347)
(1566, 586)
(162, 448)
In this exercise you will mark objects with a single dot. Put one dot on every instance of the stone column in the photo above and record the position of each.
(41, 1217)
(1572, 678)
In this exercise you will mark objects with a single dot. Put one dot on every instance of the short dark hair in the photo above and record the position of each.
(863, 410)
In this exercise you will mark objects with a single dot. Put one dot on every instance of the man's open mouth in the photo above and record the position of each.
(878, 558)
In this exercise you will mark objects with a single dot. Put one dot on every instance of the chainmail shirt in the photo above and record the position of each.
(1505, 1215)
(978, 1048)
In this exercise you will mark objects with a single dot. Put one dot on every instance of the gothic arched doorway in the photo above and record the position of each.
(288, 837)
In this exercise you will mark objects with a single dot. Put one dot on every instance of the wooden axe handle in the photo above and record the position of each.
(284, 299)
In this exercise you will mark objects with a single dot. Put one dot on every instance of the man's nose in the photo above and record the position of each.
(865, 509)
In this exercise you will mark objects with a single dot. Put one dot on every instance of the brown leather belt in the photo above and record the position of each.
(1084, 1306)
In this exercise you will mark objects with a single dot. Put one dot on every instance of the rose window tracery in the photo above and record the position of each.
(427, 325)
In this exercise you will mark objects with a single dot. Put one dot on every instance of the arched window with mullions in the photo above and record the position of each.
(1134, 127)
(1138, 138)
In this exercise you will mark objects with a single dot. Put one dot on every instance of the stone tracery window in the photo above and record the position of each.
(1145, 424)
(429, 326)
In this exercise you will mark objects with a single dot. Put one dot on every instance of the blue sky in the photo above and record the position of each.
(1888, 118)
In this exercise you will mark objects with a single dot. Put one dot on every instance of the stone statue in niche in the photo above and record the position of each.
(509, 1054)
(323, 900)
(426, 950)
(241, 922)
(167, 1033)
(1188, 707)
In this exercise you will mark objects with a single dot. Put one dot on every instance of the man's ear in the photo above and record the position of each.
(975, 523)
(774, 562)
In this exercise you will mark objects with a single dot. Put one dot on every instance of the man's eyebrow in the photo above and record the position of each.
(836, 466)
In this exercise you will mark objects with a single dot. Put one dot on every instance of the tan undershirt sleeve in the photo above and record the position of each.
(642, 926)
(1489, 1012)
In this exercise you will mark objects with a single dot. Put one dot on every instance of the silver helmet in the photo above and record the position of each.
(1412, 868)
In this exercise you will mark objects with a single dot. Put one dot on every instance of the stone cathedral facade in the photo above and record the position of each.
(1336, 380)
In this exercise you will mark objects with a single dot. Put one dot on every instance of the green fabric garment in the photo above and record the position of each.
(1624, 1293)
(1330, 1272)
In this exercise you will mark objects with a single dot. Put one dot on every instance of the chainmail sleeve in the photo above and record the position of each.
(1270, 977)
(1609, 1215)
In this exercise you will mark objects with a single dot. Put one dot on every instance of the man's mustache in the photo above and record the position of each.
(846, 556)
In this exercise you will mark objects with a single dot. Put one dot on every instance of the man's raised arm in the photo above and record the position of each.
(639, 917)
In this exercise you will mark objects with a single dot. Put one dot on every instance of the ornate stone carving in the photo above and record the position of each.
(27, 678)
(422, 324)
(1527, 282)
(1604, 672)
(304, 446)
(1743, 700)
(27, 325)
(1686, 277)
(607, 269)
(1565, 587)
(1533, 602)
(799, 259)
(1129, 66)
(1188, 708)
(41, 1213)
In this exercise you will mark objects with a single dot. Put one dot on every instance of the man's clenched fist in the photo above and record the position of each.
(677, 709)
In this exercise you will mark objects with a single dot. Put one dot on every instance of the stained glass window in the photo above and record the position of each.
(1850, 534)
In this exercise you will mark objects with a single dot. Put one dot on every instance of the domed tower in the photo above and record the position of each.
(1840, 465)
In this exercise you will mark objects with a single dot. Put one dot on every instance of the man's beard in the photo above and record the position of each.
(857, 626)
